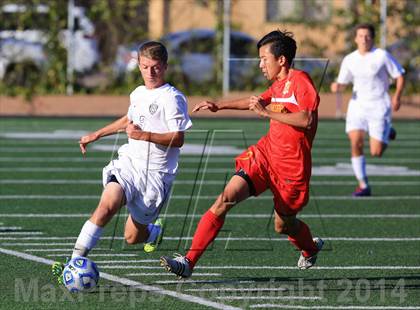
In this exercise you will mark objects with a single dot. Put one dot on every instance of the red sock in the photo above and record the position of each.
(303, 241)
(206, 232)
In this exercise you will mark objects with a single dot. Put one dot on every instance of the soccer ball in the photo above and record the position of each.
(80, 274)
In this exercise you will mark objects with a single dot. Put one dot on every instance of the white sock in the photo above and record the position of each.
(88, 237)
(359, 168)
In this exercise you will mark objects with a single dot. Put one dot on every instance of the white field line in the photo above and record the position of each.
(266, 306)
(204, 197)
(10, 228)
(210, 182)
(198, 274)
(25, 233)
(282, 239)
(95, 255)
(185, 281)
(231, 289)
(317, 171)
(54, 149)
(309, 298)
(60, 250)
(231, 216)
(143, 267)
(125, 281)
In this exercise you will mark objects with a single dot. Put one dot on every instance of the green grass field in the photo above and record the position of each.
(371, 259)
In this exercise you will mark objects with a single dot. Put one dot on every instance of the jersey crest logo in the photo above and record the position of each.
(153, 108)
(286, 87)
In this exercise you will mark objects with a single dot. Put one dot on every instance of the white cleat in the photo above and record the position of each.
(308, 262)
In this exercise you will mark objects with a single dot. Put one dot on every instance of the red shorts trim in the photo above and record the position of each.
(288, 199)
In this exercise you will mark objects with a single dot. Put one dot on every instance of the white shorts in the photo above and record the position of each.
(146, 191)
(373, 117)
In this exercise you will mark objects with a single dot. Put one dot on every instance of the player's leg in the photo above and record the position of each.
(111, 201)
(379, 134)
(300, 236)
(377, 147)
(358, 161)
(356, 128)
(151, 234)
(209, 226)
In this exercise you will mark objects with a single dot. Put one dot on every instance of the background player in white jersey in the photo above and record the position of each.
(142, 175)
(370, 107)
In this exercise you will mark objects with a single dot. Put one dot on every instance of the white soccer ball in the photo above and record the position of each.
(80, 274)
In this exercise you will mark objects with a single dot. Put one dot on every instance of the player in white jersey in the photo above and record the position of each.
(370, 107)
(142, 175)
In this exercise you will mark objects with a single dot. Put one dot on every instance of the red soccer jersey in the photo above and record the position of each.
(288, 148)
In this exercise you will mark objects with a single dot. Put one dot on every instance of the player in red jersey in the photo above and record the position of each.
(280, 161)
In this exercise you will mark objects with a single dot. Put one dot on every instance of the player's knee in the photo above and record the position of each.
(286, 228)
(376, 152)
(222, 205)
(280, 228)
(130, 238)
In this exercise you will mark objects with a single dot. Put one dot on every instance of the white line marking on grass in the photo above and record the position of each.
(198, 274)
(3, 233)
(36, 244)
(243, 289)
(281, 239)
(335, 307)
(185, 197)
(143, 267)
(10, 228)
(95, 255)
(125, 281)
(309, 298)
(208, 183)
(59, 250)
(231, 216)
(53, 159)
(127, 261)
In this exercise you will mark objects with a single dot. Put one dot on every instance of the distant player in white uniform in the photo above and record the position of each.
(142, 175)
(370, 107)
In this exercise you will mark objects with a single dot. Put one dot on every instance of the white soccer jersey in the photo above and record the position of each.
(369, 73)
(159, 110)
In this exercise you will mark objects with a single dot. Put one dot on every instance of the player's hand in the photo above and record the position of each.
(135, 132)
(334, 87)
(206, 105)
(256, 105)
(85, 140)
(396, 103)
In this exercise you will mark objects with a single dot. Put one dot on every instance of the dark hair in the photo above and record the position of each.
(282, 43)
(154, 50)
(365, 26)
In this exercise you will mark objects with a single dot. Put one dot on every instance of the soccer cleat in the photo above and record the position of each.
(308, 262)
(392, 134)
(152, 246)
(178, 265)
(57, 271)
(362, 192)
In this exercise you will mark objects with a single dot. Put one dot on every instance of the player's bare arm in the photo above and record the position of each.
(302, 119)
(238, 104)
(171, 139)
(337, 87)
(117, 126)
(396, 98)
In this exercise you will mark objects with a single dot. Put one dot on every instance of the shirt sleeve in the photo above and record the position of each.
(130, 113)
(392, 66)
(266, 96)
(176, 114)
(345, 76)
(306, 94)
